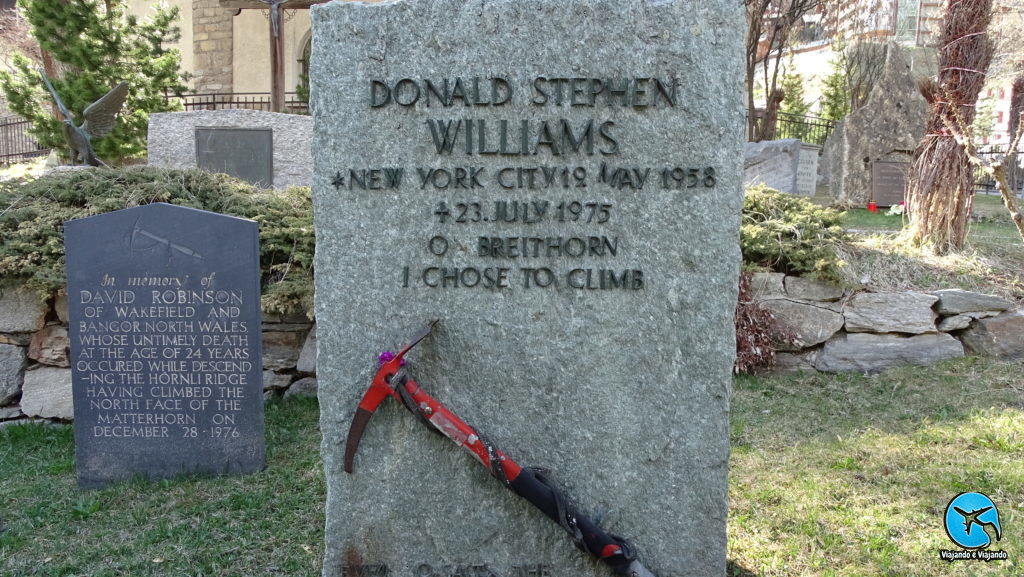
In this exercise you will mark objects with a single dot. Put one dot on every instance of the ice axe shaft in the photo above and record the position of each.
(529, 483)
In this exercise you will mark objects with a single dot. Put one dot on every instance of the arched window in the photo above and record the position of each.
(302, 90)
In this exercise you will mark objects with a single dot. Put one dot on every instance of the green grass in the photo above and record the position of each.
(270, 523)
(830, 475)
(850, 475)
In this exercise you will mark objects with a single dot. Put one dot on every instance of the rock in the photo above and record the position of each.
(21, 310)
(800, 288)
(20, 339)
(957, 301)
(50, 346)
(60, 306)
(811, 324)
(795, 362)
(982, 314)
(306, 387)
(1000, 337)
(869, 353)
(767, 285)
(9, 413)
(955, 323)
(890, 313)
(887, 128)
(273, 381)
(47, 393)
(281, 349)
(773, 163)
(307, 357)
(12, 368)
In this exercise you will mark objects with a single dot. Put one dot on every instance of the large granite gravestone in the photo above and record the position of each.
(165, 344)
(886, 129)
(172, 141)
(559, 182)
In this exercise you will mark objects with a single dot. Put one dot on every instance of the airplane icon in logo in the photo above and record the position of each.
(971, 518)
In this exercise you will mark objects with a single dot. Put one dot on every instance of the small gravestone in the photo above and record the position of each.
(807, 170)
(559, 182)
(165, 344)
(888, 181)
(246, 153)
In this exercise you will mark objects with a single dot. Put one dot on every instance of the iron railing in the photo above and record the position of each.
(246, 100)
(16, 144)
(809, 129)
(983, 183)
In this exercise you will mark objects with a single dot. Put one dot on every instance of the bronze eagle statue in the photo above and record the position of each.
(99, 120)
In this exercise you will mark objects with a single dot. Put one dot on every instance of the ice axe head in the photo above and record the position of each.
(381, 387)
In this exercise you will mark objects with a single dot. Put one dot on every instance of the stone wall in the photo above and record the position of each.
(837, 331)
(35, 373)
(212, 46)
(841, 331)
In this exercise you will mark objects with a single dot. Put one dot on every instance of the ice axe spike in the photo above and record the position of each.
(529, 483)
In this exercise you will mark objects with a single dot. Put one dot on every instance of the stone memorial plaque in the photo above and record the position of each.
(807, 170)
(559, 183)
(247, 153)
(888, 181)
(165, 344)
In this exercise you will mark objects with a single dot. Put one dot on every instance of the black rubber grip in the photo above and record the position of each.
(536, 489)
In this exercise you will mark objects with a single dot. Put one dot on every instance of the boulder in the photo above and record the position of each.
(887, 128)
(811, 324)
(795, 362)
(273, 381)
(1001, 336)
(957, 301)
(12, 368)
(10, 413)
(307, 357)
(47, 393)
(804, 289)
(774, 163)
(281, 349)
(306, 387)
(21, 310)
(767, 285)
(50, 346)
(954, 323)
(60, 306)
(870, 353)
(890, 313)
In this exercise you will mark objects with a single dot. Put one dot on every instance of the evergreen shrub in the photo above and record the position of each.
(790, 234)
(32, 216)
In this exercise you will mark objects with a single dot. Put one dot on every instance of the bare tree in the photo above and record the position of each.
(770, 26)
(940, 184)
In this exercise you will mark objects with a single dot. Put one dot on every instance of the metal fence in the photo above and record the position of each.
(984, 184)
(16, 144)
(810, 129)
(246, 100)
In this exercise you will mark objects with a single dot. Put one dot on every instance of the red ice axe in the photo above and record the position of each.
(529, 483)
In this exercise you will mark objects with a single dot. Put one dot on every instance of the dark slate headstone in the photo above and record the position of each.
(888, 181)
(165, 344)
(247, 153)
